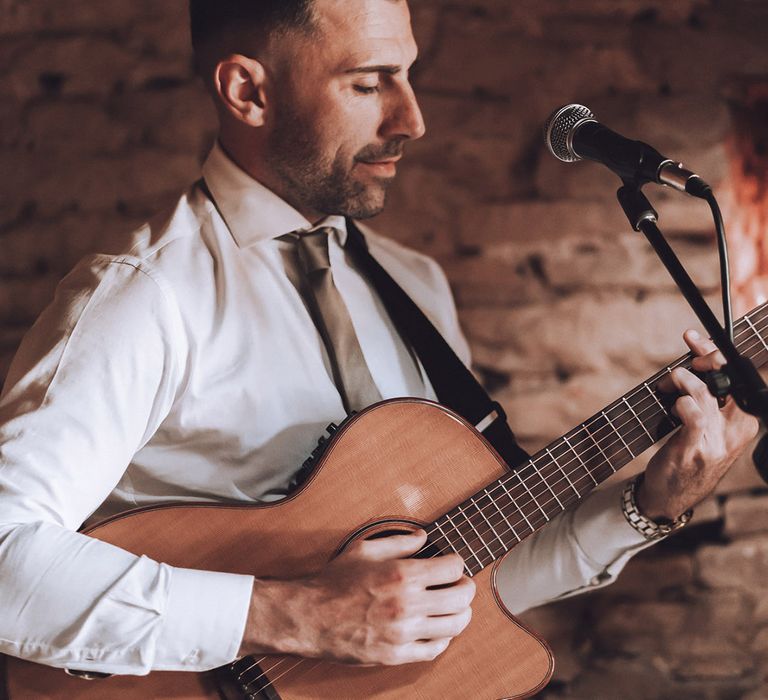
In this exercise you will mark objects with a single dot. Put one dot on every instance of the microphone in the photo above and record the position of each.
(572, 133)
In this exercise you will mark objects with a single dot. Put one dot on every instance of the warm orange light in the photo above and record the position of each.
(746, 199)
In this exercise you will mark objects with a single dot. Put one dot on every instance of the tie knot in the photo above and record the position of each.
(313, 249)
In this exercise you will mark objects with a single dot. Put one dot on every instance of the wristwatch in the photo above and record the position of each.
(651, 530)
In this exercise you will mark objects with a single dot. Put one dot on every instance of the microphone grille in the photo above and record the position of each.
(558, 130)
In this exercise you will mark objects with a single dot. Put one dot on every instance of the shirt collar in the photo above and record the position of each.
(252, 212)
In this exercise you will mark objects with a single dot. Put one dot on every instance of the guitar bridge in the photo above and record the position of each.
(244, 680)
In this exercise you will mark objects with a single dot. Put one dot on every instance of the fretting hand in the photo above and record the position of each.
(691, 463)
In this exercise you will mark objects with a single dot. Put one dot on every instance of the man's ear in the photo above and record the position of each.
(239, 84)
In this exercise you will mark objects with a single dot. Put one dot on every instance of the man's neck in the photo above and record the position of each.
(248, 160)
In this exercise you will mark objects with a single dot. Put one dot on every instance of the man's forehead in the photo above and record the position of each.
(361, 32)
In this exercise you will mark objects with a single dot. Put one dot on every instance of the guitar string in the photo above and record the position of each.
(520, 501)
(558, 467)
(286, 671)
(268, 671)
(280, 663)
(677, 363)
(577, 480)
(632, 441)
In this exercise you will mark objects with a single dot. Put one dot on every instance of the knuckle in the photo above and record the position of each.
(397, 633)
(698, 421)
(395, 608)
(398, 572)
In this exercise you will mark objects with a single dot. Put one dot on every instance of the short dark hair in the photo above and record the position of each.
(242, 25)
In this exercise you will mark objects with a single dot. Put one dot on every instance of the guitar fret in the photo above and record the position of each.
(465, 541)
(491, 521)
(493, 530)
(597, 444)
(501, 512)
(754, 330)
(445, 537)
(477, 534)
(533, 498)
(637, 418)
(546, 483)
(581, 461)
(656, 399)
(610, 422)
(563, 472)
(519, 509)
(572, 466)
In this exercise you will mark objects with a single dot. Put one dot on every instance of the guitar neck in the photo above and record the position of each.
(492, 521)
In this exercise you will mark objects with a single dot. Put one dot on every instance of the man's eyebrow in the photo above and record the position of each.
(390, 69)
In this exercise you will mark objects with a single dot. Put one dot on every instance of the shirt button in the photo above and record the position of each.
(602, 577)
(192, 657)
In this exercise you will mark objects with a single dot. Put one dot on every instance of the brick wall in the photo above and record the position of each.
(101, 122)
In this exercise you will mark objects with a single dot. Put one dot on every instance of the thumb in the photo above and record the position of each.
(390, 547)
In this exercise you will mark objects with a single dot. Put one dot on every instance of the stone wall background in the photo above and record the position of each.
(101, 123)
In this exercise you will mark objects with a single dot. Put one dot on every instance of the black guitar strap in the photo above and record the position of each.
(454, 384)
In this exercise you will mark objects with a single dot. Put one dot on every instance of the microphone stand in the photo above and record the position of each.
(738, 377)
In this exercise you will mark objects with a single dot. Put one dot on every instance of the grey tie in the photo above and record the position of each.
(350, 371)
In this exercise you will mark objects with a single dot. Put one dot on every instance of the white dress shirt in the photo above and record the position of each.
(188, 369)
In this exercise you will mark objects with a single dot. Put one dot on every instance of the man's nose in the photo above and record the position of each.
(405, 119)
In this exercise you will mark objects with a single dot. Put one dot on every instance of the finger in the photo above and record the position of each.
(448, 601)
(390, 547)
(439, 571)
(708, 356)
(443, 625)
(425, 650)
(707, 363)
(689, 384)
(689, 412)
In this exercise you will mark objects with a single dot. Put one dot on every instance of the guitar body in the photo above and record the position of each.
(398, 465)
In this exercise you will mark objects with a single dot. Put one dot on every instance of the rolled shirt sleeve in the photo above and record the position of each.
(91, 383)
(582, 549)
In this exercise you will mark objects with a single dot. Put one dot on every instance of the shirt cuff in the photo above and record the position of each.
(601, 530)
(204, 620)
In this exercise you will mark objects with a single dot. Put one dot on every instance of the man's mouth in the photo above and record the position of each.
(384, 167)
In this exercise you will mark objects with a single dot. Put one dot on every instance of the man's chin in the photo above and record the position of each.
(363, 212)
(369, 202)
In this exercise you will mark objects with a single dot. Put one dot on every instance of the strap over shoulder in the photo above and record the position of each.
(455, 386)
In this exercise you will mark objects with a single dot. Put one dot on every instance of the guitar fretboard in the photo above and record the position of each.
(492, 521)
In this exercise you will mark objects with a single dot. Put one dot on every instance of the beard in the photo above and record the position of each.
(326, 184)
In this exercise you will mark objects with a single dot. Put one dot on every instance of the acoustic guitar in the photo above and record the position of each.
(398, 465)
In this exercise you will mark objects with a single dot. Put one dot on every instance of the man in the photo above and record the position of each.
(190, 368)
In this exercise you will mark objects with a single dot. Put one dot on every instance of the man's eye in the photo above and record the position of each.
(366, 89)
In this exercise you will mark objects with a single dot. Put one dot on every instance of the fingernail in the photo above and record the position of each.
(695, 335)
